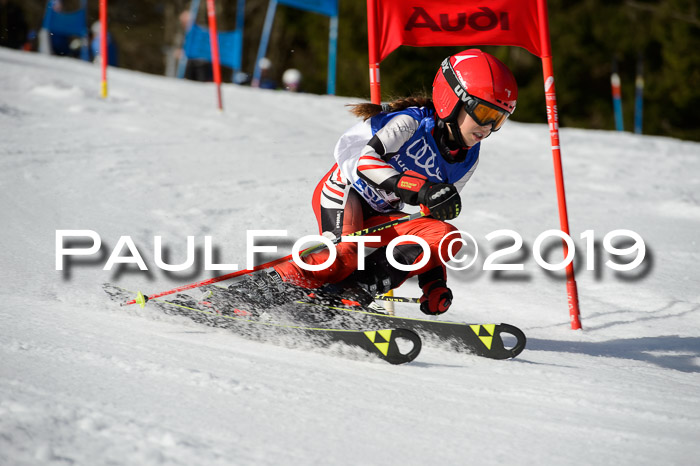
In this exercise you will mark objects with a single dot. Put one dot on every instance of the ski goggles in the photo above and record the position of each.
(482, 112)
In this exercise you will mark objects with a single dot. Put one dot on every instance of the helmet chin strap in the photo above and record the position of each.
(457, 134)
(453, 127)
(453, 149)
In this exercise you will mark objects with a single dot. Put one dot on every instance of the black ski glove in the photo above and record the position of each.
(441, 199)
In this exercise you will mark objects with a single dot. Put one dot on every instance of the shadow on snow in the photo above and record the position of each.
(670, 351)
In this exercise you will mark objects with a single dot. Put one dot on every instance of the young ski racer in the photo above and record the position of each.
(414, 151)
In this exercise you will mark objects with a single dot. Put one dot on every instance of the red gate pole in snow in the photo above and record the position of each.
(375, 89)
(372, 37)
(214, 42)
(103, 46)
(553, 121)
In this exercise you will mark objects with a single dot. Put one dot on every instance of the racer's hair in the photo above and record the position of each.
(368, 110)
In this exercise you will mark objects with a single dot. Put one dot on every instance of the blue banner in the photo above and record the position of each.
(198, 46)
(325, 7)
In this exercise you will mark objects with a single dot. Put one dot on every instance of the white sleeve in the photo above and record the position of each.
(462, 181)
(372, 165)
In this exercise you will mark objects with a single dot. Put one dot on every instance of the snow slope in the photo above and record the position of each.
(83, 381)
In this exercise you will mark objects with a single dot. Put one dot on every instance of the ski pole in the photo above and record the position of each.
(141, 298)
(397, 299)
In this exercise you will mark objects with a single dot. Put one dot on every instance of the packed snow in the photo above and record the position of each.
(85, 381)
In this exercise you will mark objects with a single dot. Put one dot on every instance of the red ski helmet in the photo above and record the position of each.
(480, 82)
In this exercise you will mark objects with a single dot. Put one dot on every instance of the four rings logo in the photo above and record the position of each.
(424, 157)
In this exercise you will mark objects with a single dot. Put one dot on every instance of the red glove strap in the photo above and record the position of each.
(411, 181)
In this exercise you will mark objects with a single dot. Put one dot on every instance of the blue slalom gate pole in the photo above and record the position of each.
(639, 96)
(182, 63)
(264, 40)
(617, 98)
(240, 25)
(332, 55)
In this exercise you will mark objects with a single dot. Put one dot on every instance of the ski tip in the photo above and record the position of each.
(141, 299)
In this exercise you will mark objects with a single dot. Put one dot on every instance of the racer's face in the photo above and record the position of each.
(471, 131)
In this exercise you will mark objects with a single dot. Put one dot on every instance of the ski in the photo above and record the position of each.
(386, 343)
(485, 340)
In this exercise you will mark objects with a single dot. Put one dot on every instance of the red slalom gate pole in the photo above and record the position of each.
(374, 82)
(103, 46)
(553, 121)
(214, 42)
(141, 298)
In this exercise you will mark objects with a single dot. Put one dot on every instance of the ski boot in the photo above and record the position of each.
(264, 289)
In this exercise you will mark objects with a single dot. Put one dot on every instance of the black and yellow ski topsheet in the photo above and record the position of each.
(480, 339)
(382, 342)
